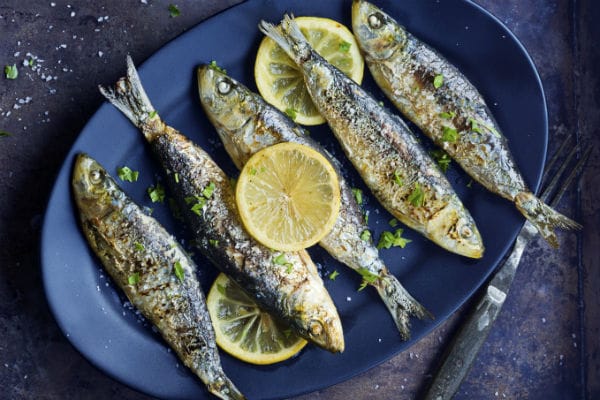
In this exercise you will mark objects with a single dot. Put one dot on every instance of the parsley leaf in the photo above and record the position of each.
(449, 135)
(127, 174)
(398, 179)
(442, 158)
(417, 196)
(290, 112)
(333, 275)
(199, 205)
(368, 277)
(213, 242)
(11, 71)
(438, 81)
(365, 235)
(281, 260)
(157, 193)
(208, 190)
(344, 46)
(176, 176)
(152, 114)
(358, 195)
(138, 246)
(213, 65)
(174, 11)
(448, 115)
(133, 279)
(393, 222)
(179, 270)
(389, 239)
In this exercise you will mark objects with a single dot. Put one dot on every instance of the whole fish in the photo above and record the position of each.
(441, 101)
(291, 289)
(153, 270)
(246, 124)
(403, 177)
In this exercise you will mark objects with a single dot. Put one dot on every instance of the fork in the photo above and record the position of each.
(471, 336)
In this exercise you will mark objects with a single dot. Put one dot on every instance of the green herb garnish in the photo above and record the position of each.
(133, 279)
(438, 81)
(290, 112)
(174, 11)
(138, 246)
(345, 46)
(4, 133)
(366, 215)
(442, 158)
(358, 195)
(156, 193)
(449, 135)
(213, 65)
(333, 275)
(178, 270)
(281, 260)
(368, 278)
(448, 115)
(213, 242)
(393, 222)
(398, 179)
(208, 190)
(198, 206)
(470, 183)
(176, 176)
(389, 239)
(11, 71)
(152, 114)
(127, 174)
(366, 235)
(417, 196)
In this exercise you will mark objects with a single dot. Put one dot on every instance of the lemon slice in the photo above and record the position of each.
(288, 196)
(244, 330)
(279, 80)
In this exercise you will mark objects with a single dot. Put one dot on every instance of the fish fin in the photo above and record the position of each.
(288, 37)
(129, 96)
(400, 303)
(543, 217)
(224, 389)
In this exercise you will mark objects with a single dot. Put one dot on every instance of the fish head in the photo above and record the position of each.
(378, 35)
(93, 189)
(231, 107)
(454, 229)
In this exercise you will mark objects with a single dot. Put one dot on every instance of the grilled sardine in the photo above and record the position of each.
(153, 270)
(293, 292)
(246, 124)
(403, 177)
(441, 101)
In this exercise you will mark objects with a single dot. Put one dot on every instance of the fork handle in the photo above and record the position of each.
(474, 331)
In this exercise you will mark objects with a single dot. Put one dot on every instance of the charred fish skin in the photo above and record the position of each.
(156, 274)
(405, 180)
(293, 292)
(246, 124)
(450, 111)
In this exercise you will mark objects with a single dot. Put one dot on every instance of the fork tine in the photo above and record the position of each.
(554, 182)
(555, 157)
(574, 173)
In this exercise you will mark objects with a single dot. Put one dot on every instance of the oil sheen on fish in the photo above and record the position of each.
(294, 291)
(154, 271)
(246, 124)
(403, 177)
(440, 100)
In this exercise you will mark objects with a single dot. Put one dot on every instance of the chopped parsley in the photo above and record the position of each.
(449, 135)
(389, 239)
(393, 222)
(208, 190)
(213, 65)
(281, 260)
(152, 114)
(470, 183)
(448, 115)
(366, 215)
(176, 176)
(200, 201)
(4, 133)
(253, 171)
(368, 278)
(344, 46)
(213, 242)
(174, 11)
(333, 275)
(442, 158)
(11, 71)
(133, 279)
(127, 174)
(138, 246)
(290, 112)
(178, 270)
(475, 126)
(417, 196)
(358, 195)
(157, 193)
(365, 235)
(438, 81)
(198, 206)
(398, 179)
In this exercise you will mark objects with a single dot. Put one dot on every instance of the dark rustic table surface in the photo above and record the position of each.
(545, 343)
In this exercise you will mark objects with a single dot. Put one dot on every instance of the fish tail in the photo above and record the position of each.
(224, 389)
(543, 217)
(289, 37)
(129, 96)
(400, 303)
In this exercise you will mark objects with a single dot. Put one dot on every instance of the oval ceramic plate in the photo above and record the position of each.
(90, 309)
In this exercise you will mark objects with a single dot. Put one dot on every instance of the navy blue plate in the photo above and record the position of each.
(89, 308)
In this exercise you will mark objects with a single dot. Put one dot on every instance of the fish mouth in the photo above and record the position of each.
(455, 230)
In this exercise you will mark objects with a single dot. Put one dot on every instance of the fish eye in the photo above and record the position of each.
(96, 176)
(224, 86)
(466, 232)
(375, 20)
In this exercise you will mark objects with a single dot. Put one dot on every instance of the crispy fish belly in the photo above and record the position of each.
(156, 274)
(440, 100)
(405, 180)
(293, 292)
(246, 124)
